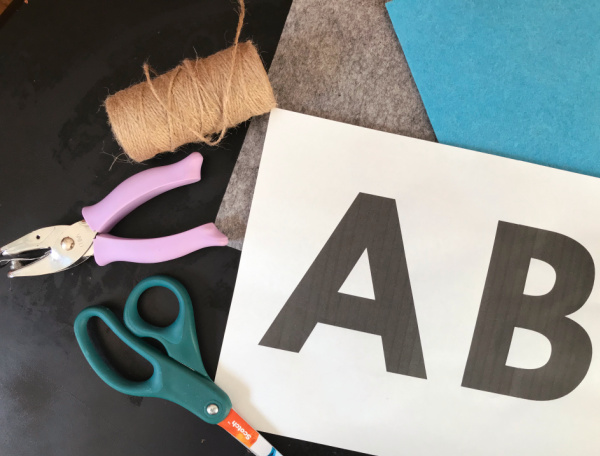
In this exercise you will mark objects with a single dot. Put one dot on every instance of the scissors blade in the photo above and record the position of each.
(247, 435)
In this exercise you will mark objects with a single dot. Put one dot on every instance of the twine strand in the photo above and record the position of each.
(198, 101)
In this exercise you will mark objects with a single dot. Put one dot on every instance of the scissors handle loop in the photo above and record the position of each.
(150, 387)
(170, 380)
(179, 338)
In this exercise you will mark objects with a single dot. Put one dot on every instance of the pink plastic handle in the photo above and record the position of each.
(108, 249)
(138, 189)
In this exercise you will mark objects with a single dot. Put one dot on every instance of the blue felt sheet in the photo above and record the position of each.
(518, 78)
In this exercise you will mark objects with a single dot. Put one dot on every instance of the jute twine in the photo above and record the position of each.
(195, 102)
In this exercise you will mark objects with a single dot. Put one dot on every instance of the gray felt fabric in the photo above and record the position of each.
(339, 60)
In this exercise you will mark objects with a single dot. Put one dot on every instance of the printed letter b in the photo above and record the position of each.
(504, 307)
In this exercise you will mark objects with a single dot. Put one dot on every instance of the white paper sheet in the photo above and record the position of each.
(336, 390)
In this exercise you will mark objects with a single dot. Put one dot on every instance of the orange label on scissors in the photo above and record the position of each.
(238, 428)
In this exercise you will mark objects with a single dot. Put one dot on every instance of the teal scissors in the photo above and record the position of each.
(179, 376)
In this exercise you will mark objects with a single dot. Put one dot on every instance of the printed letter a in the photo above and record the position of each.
(370, 223)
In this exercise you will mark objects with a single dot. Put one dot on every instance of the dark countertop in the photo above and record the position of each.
(58, 62)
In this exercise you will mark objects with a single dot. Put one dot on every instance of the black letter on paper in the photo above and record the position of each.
(371, 223)
(504, 307)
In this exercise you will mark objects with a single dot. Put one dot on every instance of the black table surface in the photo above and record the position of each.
(58, 62)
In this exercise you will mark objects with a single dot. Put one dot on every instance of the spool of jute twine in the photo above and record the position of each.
(195, 102)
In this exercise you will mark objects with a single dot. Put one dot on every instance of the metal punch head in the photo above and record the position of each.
(65, 247)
